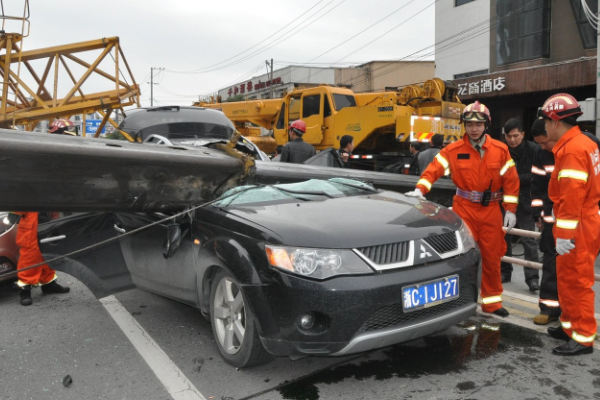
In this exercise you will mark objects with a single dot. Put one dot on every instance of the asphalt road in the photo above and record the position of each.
(74, 334)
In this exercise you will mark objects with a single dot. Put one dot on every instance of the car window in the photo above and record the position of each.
(313, 189)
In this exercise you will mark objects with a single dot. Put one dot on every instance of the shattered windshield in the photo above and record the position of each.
(313, 189)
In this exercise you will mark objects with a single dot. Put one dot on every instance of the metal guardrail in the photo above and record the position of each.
(525, 263)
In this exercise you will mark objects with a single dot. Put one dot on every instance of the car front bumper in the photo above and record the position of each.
(359, 313)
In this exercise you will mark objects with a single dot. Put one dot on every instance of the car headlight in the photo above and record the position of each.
(316, 263)
(468, 241)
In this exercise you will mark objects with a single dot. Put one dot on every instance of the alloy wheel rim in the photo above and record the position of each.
(229, 316)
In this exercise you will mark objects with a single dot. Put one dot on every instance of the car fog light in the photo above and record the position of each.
(307, 321)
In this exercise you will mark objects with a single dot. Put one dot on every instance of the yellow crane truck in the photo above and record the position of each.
(382, 123)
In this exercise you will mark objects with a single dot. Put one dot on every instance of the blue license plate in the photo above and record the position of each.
(429, 294)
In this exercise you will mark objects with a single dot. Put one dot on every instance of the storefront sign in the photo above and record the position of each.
(482, 86)
(249, 86)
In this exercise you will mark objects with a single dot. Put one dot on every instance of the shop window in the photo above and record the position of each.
(523, 31)
(470, 74)
(311, 105)
(589, 37)
(458, 3)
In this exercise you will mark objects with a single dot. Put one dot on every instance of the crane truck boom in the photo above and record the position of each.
(382, 123)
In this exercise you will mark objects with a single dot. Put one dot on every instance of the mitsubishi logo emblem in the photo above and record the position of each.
(424, 252)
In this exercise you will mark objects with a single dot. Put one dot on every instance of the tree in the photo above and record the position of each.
(237, 97)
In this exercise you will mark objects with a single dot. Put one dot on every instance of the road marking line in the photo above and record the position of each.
(172, 378)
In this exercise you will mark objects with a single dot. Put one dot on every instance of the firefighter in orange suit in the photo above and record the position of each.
(27, 240)
(29, 254)
(485, 175)
(574, 189)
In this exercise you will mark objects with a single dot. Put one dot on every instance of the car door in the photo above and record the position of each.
(312, 115)
(146, 254)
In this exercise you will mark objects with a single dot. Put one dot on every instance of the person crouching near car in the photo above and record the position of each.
(485, 175)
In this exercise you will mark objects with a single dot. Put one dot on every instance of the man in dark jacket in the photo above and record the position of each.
(346, 148)
(415, 150)
(297, 150)
(426, 156)
(523, 152)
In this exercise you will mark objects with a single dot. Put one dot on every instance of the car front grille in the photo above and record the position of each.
(392, 316)
(443, 243)
(386, 253)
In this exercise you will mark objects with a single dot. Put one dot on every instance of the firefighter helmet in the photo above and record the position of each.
(298, 126)
(560, 106)
(476, 112)
(63, 126)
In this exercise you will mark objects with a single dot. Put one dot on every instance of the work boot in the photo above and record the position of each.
(544, 319)
(533, 285)
(572, 348)
(25, 294)
(558, 332)
(54, 287)
(502, 312)
(505, 278)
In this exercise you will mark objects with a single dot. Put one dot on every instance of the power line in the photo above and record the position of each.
(289, 26)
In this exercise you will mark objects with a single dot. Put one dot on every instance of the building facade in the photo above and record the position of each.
(534, 48)
(375, 76)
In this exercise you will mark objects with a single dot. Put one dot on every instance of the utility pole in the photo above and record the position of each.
(271, 75)
(152, 83)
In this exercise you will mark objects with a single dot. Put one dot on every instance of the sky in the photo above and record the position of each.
(204, 46)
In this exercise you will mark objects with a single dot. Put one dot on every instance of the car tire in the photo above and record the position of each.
(7, 268)
(233, 324)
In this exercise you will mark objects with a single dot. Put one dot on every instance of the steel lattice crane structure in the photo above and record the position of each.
(31, 91)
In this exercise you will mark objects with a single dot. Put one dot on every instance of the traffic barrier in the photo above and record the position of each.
(525, 263)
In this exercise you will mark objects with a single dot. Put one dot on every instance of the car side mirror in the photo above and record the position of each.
(173, 240)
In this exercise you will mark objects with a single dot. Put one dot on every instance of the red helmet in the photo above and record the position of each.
(62, 125)
(298, 126)
(476, 112)
(560, 106)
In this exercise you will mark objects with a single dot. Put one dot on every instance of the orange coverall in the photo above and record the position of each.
(29, 253)
(472, 173)
(575, 190)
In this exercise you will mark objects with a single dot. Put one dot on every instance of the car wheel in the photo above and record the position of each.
(6, 267)
(233, 324)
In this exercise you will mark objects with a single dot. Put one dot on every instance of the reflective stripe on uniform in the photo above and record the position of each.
(549, 168)
(565, 324)
(573, 173)
(511, 199)
(550, 303)
(444, 163)
(509, 163)
(549, 219)
(582, 339)
(491, 299)
(537, 171)
(425, 183)
(537, 203)
(566, 223)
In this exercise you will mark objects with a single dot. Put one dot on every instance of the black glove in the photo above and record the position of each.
(13, 218)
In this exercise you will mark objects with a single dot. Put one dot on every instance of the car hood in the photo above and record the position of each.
(349, 222)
